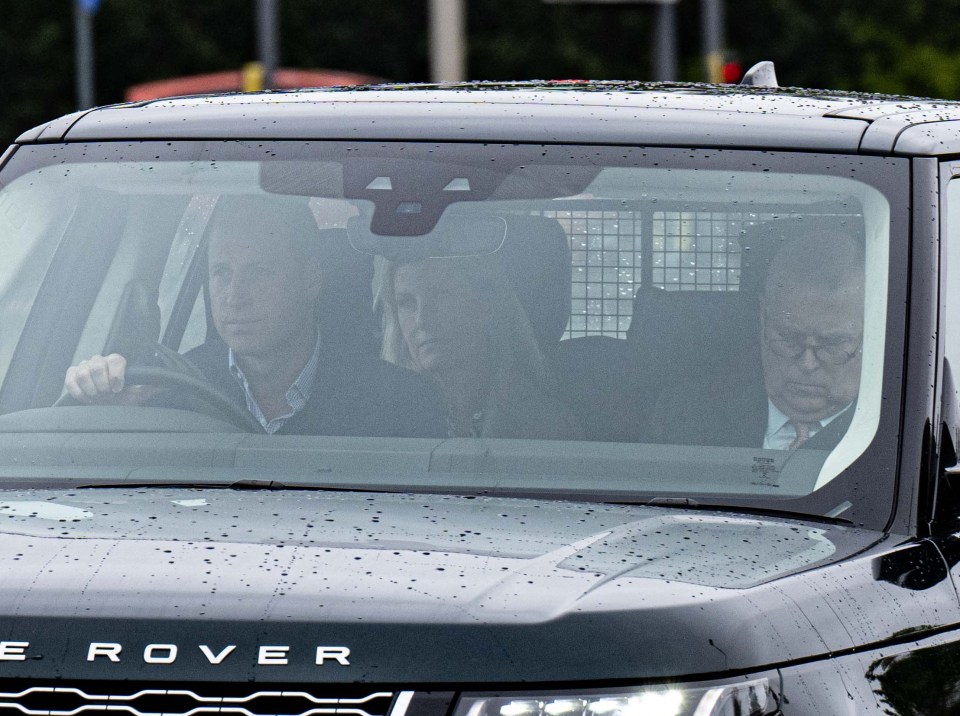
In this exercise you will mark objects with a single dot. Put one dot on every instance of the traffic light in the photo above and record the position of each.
(732, 72)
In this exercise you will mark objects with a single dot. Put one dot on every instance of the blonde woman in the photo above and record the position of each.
(458, 321)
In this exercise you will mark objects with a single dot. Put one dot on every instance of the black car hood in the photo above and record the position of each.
(422, 587)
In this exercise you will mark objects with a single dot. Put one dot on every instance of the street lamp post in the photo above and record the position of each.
(713, 39)
(268, 44)
(448, 29)
(665, 43)
(83, 11)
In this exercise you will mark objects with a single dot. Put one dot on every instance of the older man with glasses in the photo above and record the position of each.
(811, 334)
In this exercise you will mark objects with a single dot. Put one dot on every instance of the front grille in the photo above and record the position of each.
(148, 700)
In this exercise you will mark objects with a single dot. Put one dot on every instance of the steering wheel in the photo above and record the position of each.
(201, 393)
(179, 375)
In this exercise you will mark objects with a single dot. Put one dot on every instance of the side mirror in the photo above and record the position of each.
(916, 566)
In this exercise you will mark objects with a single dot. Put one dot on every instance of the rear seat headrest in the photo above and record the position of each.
(693, 332)
(536, 257)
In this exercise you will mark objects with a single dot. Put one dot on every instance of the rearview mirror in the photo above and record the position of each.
(455, 234)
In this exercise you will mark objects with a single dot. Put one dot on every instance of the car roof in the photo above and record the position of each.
(654, 114)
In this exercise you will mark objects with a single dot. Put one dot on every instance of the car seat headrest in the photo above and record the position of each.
(693, 333)
(346, 306)
(536, 259)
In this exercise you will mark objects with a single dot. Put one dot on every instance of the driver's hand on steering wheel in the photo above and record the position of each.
(100, 380)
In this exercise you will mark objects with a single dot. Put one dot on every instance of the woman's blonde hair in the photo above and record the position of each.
(523, 397)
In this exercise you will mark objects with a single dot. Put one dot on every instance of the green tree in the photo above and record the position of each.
(895, 46)
(899, 46)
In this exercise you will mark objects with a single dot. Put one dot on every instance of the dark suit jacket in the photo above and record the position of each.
(726, 410)
(353, 394)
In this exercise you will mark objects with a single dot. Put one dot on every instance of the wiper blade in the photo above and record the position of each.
(831, 517)
(251, 484)
(246, 484)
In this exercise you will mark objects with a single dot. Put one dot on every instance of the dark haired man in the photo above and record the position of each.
(264, 278)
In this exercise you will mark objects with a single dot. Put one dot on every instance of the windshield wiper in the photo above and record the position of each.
(246, 484)
(688, 503)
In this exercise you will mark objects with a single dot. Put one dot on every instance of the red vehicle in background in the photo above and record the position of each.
(249, 78)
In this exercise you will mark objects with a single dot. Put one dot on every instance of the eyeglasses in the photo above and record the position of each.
(828, 353)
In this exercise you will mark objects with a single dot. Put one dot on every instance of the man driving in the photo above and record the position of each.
(264, 278)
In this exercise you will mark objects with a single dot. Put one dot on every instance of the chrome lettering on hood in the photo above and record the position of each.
(271, 655)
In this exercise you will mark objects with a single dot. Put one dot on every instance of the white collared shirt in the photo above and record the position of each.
(781, 433)
(297, 394)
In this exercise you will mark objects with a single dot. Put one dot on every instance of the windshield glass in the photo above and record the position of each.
(593, 321)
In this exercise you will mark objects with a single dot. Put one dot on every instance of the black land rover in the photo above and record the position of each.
(529, 399)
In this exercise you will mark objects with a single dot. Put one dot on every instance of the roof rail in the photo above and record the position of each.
(762, 74)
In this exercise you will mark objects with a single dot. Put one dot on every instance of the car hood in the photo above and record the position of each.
(415, 587)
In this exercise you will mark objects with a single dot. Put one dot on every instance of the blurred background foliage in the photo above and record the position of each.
(896, 46)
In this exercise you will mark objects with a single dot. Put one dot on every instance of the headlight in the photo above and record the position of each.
(754, 697)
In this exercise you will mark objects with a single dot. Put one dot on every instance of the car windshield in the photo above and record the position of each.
(612, 323)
